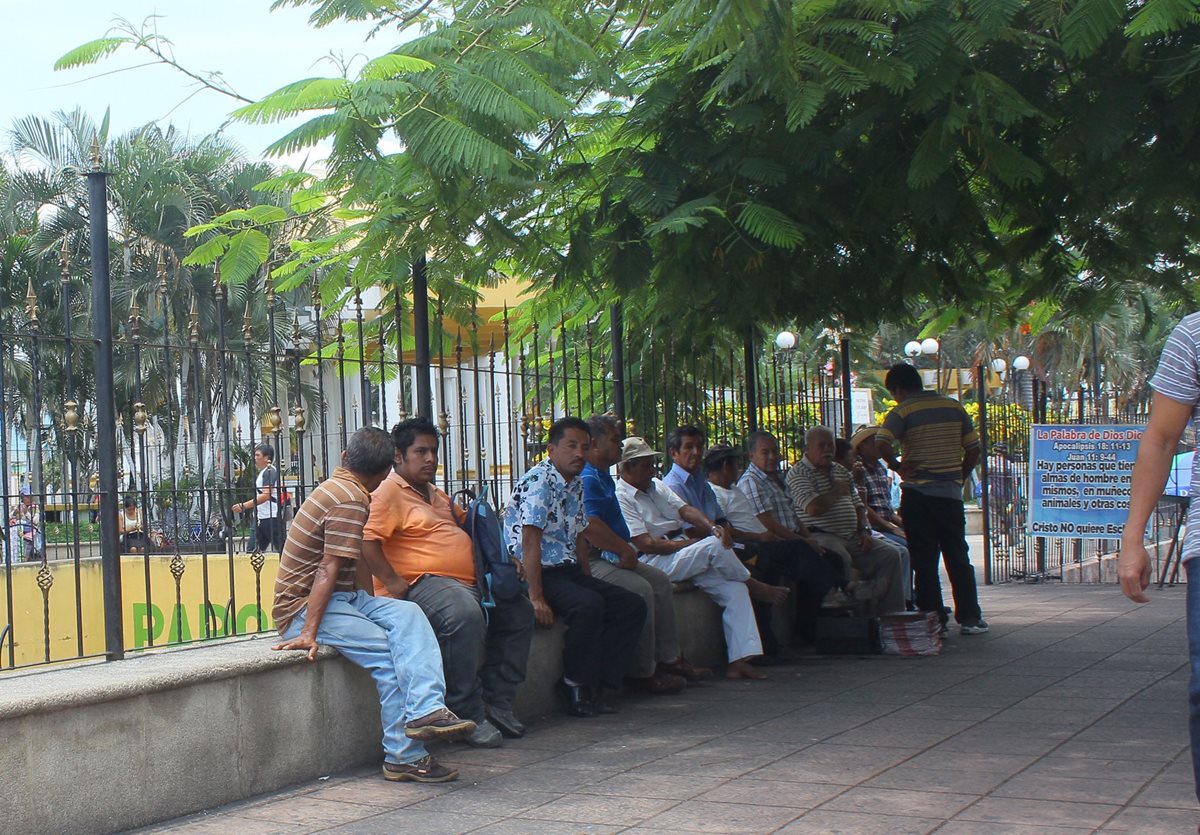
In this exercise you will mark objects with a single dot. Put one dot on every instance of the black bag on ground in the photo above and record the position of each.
(495, 572)
(852, 635)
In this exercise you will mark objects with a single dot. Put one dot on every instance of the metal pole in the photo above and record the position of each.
(106, 412)
(847, 405)
(985, 496)
(748, 358)
(1099, 403)
(420, 292)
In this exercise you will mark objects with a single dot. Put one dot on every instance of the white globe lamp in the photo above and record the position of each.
(999, 365)
(929, 346)
(785, 340)
(913, 349)
(1021, 363)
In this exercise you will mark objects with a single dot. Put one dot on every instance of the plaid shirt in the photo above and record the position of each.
(878, 484)
(767, 494)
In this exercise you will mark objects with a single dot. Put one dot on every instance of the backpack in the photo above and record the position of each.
(495, 572)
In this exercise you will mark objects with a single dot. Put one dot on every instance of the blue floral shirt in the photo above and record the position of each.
(544, 499)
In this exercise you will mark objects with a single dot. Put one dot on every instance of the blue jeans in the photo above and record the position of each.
(1192, 567)
(393, 640)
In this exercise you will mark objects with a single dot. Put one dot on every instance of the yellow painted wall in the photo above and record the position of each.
(156, 619)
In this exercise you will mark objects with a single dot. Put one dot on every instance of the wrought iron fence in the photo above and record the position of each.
(130, 422)
(1012, 552)
(126, 448)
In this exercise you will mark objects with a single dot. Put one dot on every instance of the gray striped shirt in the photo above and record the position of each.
(1178, 377)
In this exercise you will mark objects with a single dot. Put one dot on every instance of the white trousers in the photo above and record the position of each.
(719, 573)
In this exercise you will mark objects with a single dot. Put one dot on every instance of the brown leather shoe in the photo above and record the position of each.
(424, 770)
(682, 667)
(662, 683)
(441, 724)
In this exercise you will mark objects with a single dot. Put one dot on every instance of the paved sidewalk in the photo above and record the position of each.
(1069, 717)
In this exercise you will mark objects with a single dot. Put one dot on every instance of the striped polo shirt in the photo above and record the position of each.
(1178, 377)
(933, 430)
(805, 483)
(330, 522)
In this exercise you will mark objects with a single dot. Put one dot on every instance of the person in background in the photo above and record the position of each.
(26, 522)
(880, 515)
(268, 530)
(769, 558)
(130, 527)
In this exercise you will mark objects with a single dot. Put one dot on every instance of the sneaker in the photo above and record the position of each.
(441, 724)
(505, 722)
(485, 735)
(973, 627)
(836, 599)
(424, 770)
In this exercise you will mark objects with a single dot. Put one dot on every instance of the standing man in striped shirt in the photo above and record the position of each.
(316, 602)
(939, 448)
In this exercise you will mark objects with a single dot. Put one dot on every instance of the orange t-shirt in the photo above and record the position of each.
(418, 537)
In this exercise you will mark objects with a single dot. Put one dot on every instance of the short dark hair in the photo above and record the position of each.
(675, 439)
(840, 447)
(371, 451)
(560, 427)
(130, 501)
(718, 464)
(267, 450)
(406, 431)
(601, 426)
(903, 377)
(753, 439)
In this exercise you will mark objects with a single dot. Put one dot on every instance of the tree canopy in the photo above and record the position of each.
(727, 162)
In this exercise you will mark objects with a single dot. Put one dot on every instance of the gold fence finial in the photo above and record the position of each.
(64, 260)
(31, 306)
(135, 317)
(194, 321)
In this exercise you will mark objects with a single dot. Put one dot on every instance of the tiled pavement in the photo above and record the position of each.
(1068, 717)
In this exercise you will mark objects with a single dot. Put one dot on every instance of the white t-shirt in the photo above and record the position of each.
(268, 476)
(654, 511)
(736, 508)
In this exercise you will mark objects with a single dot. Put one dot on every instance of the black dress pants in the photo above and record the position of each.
(789, 560)
(936, 524)
(603, 623)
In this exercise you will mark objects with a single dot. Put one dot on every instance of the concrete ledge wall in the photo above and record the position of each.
(105, 747)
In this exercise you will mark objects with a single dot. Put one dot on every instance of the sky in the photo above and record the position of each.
(255, 49)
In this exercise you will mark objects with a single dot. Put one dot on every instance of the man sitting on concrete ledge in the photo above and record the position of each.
(768, 557)
(656, 518)
(417, 551)
(316, 603)
(657, 662)
(545, 523)
(827, 502)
